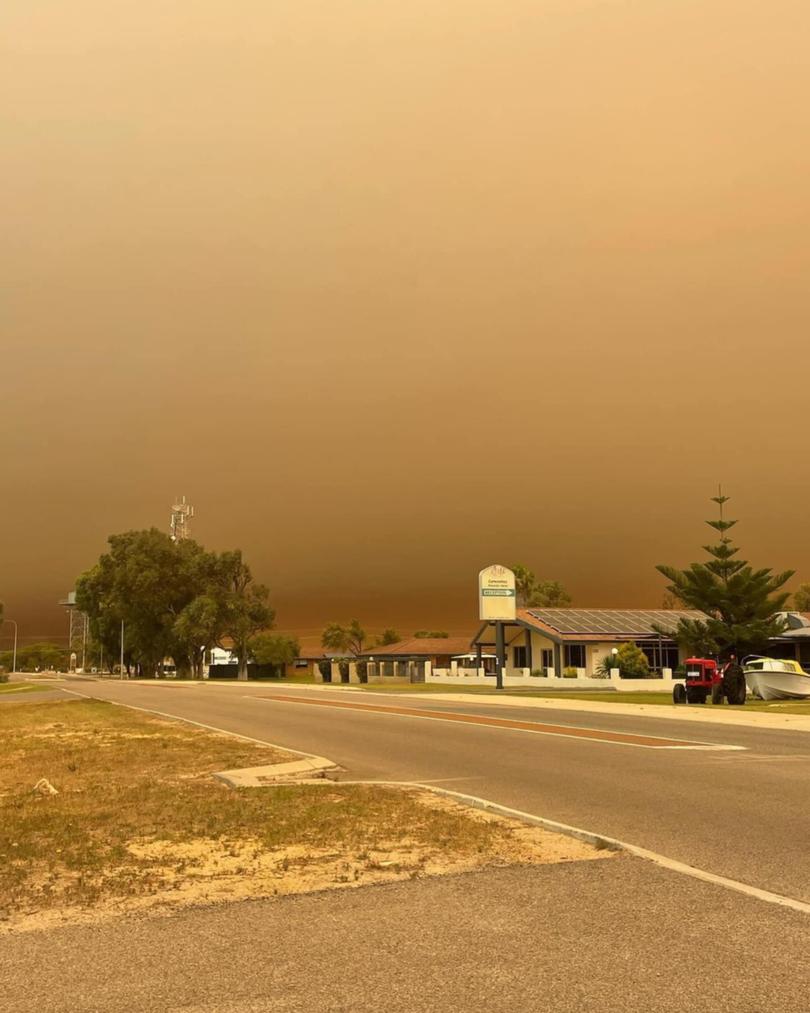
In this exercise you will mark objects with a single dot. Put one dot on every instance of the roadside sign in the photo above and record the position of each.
(496, 594)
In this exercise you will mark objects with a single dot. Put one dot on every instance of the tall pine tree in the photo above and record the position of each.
(739, 602)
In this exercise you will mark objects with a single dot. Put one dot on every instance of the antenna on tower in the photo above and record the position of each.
(180, 526)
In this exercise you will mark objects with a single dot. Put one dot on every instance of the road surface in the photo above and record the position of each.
(622, 935)
(741, 813)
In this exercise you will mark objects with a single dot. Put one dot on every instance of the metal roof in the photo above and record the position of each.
(420, 647)
(611, 622)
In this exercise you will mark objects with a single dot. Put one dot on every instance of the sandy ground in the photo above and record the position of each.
(213, 871)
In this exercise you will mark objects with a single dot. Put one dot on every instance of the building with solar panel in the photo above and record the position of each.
(571, 641)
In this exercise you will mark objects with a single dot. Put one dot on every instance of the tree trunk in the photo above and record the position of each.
(243, 673)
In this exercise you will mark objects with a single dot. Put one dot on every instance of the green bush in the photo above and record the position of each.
(570, 673)
(632, 662)
(538, 673)
(3, 675)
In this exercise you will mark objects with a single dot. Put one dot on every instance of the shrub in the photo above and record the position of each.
(631, 662)
(538, 673)
(570, 673)
(604, 667)
(3, 675)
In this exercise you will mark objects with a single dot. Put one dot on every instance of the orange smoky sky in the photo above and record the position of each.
(394, 290)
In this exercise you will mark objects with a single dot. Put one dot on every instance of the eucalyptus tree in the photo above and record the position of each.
(344, 639)
(245, 604)
(533, 593)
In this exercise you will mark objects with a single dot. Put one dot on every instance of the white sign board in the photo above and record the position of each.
(496, 594)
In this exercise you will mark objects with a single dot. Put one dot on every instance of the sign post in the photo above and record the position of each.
(496, 604)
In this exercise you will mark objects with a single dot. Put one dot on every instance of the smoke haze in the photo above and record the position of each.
(392, 291)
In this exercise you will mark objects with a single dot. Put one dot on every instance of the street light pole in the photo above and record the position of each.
(121, 672)
(84, 644)
(14, 653)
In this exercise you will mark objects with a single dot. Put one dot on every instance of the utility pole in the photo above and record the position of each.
(121, 673)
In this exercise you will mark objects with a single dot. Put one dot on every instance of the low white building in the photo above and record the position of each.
(575, 642)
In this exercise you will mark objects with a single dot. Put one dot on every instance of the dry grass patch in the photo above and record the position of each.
(139, 822)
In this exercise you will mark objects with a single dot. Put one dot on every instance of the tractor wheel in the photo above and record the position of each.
(678, 693)
(717, 692)
(696, 696)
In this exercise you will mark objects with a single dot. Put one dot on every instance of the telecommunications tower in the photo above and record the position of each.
(180, 526)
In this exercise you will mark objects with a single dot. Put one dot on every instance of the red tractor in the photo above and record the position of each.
(703, 680)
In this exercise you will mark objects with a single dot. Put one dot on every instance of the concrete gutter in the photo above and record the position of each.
(275, 773)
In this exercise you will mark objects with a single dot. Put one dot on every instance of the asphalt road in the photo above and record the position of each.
(615, 936)
(740, 814)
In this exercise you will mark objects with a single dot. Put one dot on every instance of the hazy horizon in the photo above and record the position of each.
(394, 291)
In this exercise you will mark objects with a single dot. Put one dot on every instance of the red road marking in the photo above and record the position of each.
(568, 731)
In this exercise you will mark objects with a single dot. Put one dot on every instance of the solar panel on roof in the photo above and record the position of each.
(625, 622)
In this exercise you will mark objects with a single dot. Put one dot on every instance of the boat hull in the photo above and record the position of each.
(779, 685)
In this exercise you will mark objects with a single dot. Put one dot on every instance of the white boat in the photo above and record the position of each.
(776, 679)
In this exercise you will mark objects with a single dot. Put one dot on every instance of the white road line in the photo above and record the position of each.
(600, 840)
(561, 828)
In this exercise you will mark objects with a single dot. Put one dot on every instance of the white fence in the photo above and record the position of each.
(522, 678)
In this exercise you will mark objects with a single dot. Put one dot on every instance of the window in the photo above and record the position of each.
(660, 654)
(520, 657)
(548, 658)
(574, 656)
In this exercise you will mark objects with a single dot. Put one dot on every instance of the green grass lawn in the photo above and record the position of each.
(21, 687)
(665, 700)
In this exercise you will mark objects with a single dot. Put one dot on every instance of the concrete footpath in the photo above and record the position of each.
(705, 714)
